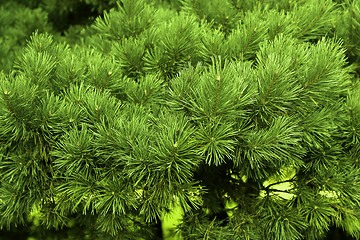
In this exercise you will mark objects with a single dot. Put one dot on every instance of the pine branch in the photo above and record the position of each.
(216, 96)
(243, 51)
(317, 77)
(8, 104)
(271, 85)
(318, 17)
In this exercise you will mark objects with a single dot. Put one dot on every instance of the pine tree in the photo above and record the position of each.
(243, 114)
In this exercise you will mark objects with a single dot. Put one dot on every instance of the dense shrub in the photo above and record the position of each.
(244, 116)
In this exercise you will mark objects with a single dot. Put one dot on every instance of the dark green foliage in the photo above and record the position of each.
(16, 25)
(245, 115)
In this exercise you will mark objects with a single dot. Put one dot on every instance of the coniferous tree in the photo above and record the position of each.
(243, 114)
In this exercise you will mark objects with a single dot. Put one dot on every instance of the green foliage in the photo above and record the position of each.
(348, 26)
(207, 106)
(16, 25)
